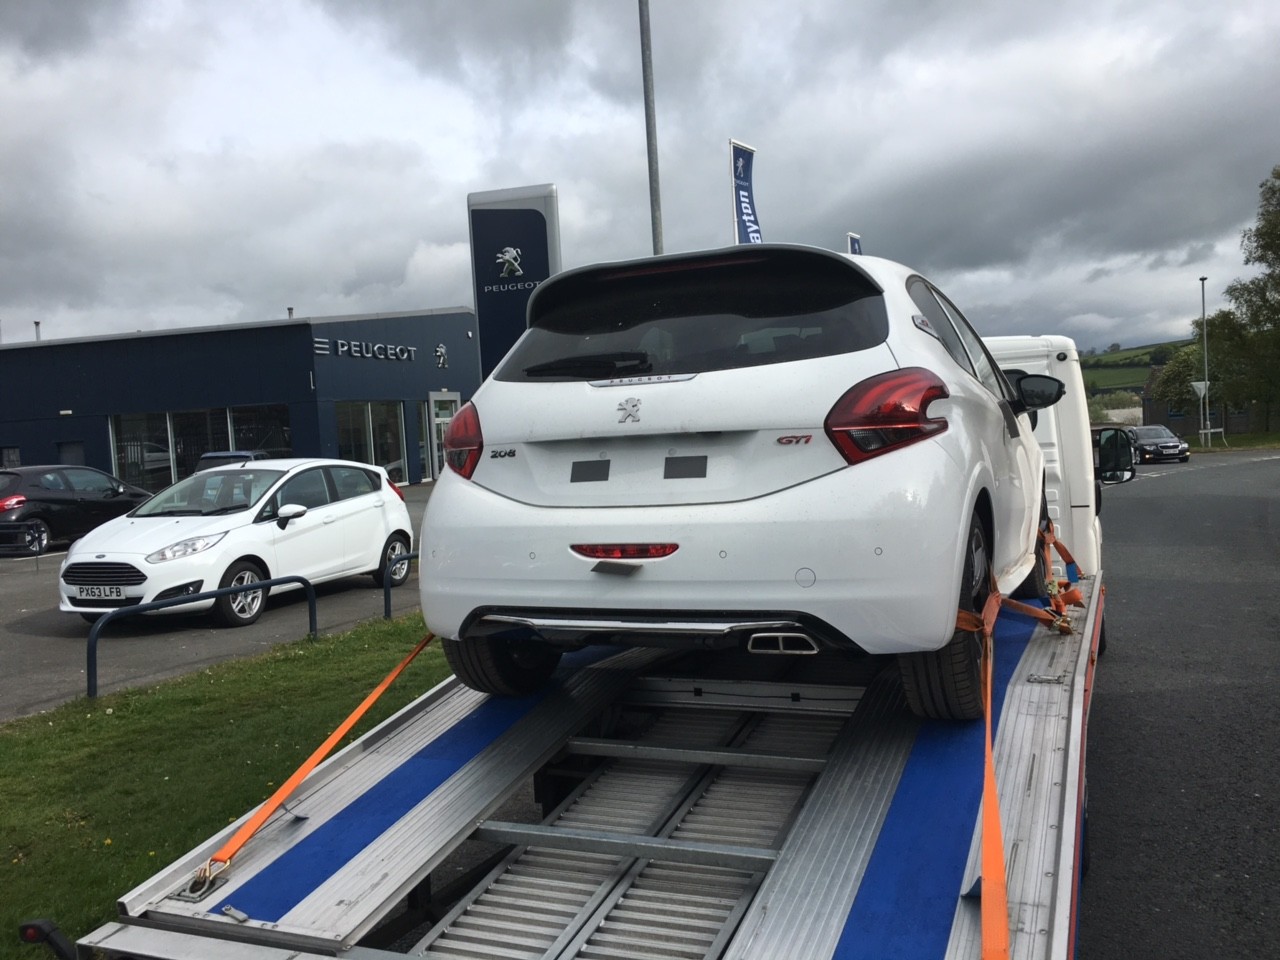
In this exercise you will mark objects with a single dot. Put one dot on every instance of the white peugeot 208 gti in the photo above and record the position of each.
(770, 447)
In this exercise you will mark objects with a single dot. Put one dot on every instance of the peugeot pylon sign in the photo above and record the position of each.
(515, 245)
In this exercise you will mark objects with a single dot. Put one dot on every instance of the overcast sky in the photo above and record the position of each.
(1055, 168)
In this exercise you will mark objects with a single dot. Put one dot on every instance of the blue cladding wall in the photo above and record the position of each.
(309, 364)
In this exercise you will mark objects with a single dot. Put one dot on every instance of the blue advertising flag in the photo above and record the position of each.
(746, 224)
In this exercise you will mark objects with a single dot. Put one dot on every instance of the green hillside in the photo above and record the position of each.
(1126, 369)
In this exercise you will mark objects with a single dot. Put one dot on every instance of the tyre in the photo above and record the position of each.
(507, 668)
(91, 617)
(393, 570)
(37, 537)
(946, 684)
(240, 609)
(1184, 459)
(1102, 637)
(1036, 584)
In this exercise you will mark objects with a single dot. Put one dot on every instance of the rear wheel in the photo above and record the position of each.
(244, 608)
(394, 568)
(508, 668)
(946, 684)
(37, 537)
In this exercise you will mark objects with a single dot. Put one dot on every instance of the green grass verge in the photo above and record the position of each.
(1235, 441)
(99, 795)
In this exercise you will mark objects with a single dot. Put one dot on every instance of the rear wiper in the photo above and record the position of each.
(593, 365)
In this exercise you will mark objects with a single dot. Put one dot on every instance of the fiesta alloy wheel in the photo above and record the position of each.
(244, 608)
(394, 567)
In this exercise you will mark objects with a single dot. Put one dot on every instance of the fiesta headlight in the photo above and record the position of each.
(185, 548)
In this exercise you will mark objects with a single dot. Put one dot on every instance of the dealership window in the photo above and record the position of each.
(373, 433)
(10, 457)
(141, 444)
(353, 432)
(386, 424)
(263, 428)
(196, 432)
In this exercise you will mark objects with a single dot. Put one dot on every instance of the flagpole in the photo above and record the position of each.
(650, 127)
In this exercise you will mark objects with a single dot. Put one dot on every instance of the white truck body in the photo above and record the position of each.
(1063, 434)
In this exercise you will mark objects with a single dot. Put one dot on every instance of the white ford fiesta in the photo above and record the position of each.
(770, 447)
(236, 525)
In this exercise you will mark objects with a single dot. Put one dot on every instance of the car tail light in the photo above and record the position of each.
(624, 551)
(886, 412)
(395, 487)
(463, 441)
(12, 503)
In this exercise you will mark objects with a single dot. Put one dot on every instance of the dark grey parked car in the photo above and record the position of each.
(1156, 442)
(62, 502)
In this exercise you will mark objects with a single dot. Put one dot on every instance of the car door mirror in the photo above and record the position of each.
(1038, 391)
(1115, 457)
(290, 511)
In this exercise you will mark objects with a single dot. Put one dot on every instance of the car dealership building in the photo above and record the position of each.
(377, 388)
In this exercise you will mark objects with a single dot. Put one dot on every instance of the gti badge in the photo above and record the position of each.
(510, 260)
(442, 356)
(630, 410)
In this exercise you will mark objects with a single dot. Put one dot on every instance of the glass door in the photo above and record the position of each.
(440, 409)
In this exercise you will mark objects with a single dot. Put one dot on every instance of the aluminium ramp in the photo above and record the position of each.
(368, 825)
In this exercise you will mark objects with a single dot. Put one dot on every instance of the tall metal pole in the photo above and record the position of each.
(650, 128)
(1204, 329)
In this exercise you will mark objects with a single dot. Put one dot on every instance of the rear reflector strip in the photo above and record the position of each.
(624, 551)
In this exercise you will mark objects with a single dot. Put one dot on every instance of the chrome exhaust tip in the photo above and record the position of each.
(787, 644)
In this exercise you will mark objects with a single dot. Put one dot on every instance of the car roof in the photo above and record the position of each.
(294, 463)
(43, 467)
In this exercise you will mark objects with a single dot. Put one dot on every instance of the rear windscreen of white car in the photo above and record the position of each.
(696, 314)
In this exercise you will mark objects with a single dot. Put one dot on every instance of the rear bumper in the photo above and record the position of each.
(866, 556)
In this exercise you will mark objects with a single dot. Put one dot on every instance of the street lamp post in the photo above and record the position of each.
(1207, 437)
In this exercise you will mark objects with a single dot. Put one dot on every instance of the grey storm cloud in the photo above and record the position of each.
(1055, 167)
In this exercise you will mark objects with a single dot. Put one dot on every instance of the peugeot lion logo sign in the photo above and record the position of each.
(630, 410)
(510, 260)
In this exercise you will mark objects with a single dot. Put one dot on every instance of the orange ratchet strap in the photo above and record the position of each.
(220, 860)
(995, 891)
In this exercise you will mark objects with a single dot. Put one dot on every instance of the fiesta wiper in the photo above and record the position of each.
(234, 508)
(595, 365)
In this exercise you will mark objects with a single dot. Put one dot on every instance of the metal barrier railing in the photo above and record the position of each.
(91, 654)
(120, 613)
(386, 587)
(17, 537)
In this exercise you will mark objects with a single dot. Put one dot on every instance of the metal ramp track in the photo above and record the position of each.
(661, 848)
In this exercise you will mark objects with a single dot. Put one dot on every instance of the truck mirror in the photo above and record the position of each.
(1115, 457)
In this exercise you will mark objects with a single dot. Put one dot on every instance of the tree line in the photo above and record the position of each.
(1244, 361)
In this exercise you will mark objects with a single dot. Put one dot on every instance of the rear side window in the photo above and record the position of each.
(352, 482)
(713, 312)
(9, 482)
